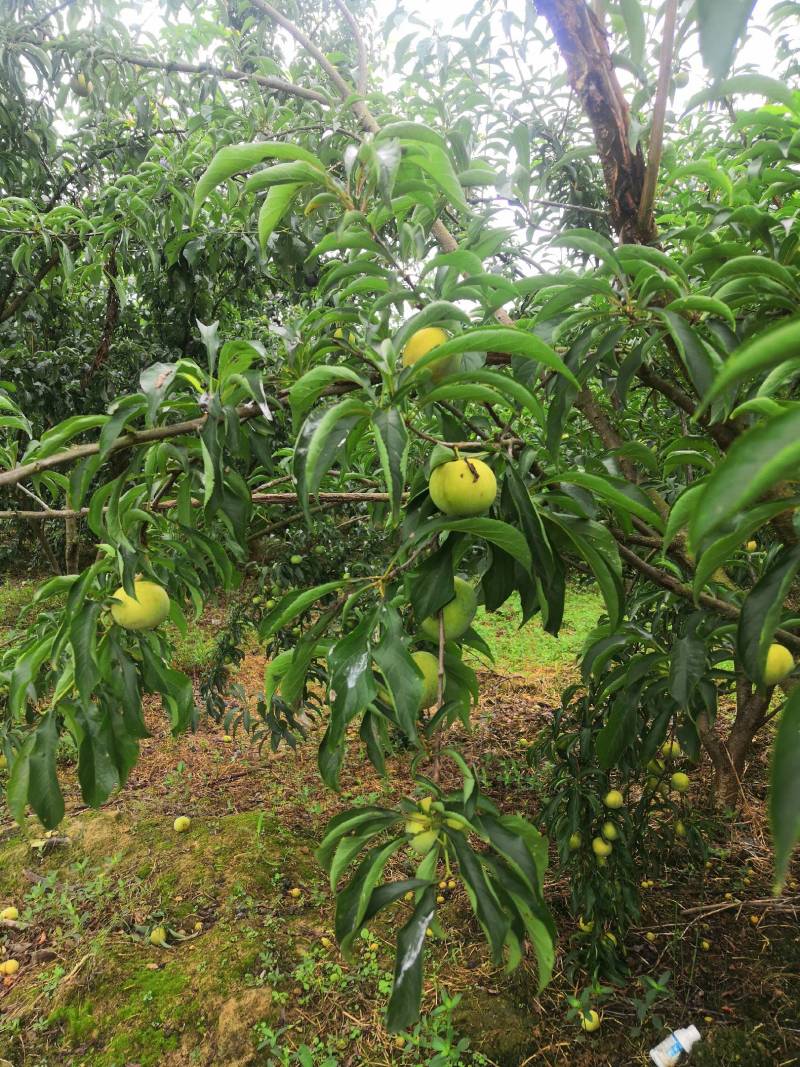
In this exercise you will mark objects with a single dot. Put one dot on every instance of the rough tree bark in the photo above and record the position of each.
(583, 45)
(729, 754)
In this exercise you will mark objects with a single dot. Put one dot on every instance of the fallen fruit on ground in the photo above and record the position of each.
(10, 967)
(457, 614)
(613, 799)
(9, 913)
(294, 892)
(463, 488)
(650, 936)
(780, 664)
(590, 1021)
(705, 945)
(182, 824)
(144, 611)
(158, 936)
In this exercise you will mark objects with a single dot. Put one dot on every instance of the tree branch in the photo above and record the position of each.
(645, 217)
(278, 85)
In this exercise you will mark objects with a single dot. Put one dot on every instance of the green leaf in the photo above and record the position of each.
(513, 393)
(83, 636)
(498, 533)
(756, 461)
(754, 267)
(618, 493)
(687, 664)
(353, 901)
(293, 604)
(703, 304)
(404, 1002)
(154, 382)
(392, 443)
(761, 612)
(276, 203)
(746, 85)
(44, 793)
(435, 162)
(294, 174)
(401, 674)
(618, 732)
(314, 382)
(497, 339)
(321, 437)
(784, 795)
(761, 353)
(722, 24)
(634, 24)
(411, 131)
(234, 159)
(484, 903)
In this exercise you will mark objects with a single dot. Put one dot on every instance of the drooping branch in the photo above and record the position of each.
(584, 46)
(278, 85)
(670, 583)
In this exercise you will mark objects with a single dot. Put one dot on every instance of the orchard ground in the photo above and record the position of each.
(251, 974)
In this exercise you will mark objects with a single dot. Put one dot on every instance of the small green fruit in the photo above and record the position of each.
(609, 831)
(181, 824)
(574, 841)
(457, 614)
(671, 750)
(295, 560)
(680, 782)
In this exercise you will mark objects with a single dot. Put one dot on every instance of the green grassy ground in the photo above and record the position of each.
(524, 650)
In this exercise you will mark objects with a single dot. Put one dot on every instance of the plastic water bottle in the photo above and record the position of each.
(669, 1052)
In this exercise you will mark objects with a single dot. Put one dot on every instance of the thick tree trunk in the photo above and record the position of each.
(729, 754)
(584, 47)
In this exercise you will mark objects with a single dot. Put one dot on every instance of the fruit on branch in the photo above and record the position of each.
(680, 828)
(680, 782)
(601, 847)
(3, 762)
(421, 343)
(584, 927)
(613, 799)
(751, 546)
(295, 560)
(144, 611)
(609, 831)
(429, 665)
(574, 841)
(590, 1021)
(181, 824)
(780, 664)
(463, 487)
(458, 614)
(80, 85)
(671, 750)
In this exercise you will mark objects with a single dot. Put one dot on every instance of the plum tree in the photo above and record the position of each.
(259, 254)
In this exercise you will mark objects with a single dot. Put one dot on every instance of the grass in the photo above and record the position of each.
(524, 650)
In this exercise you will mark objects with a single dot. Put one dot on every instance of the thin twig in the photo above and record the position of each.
(659, 112)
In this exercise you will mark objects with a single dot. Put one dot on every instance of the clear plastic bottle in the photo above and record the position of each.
(670, 1051)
